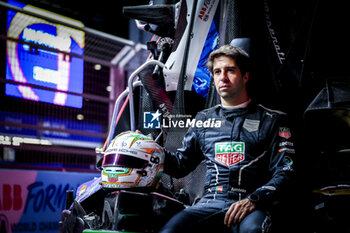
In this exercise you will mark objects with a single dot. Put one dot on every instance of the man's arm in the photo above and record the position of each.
(281, 164)
(281, 167)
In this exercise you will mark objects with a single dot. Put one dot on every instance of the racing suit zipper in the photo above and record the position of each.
(216, 180)
(232, 140)
(216, 167)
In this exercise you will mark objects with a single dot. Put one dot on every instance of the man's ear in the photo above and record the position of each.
(246, 77)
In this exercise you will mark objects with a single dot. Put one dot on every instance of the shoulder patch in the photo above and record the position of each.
(251, 125)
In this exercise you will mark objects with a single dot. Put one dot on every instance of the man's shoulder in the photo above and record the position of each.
(209, 110)
(270, 115)
(269, 111)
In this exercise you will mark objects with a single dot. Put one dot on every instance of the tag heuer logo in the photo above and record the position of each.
(284, 132)
(229, 153)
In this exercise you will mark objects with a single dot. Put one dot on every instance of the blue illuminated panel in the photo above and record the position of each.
(32, 65)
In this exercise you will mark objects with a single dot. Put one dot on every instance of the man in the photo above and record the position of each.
(248, 159)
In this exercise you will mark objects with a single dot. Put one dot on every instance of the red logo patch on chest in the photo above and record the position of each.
(229, 153)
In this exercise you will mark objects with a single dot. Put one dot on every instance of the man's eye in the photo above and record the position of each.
(216, 71)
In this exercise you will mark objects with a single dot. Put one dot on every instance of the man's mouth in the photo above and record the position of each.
(224, 86)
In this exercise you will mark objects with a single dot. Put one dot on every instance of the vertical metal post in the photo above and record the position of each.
(131, 94)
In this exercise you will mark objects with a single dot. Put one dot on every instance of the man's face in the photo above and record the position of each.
(228, 79)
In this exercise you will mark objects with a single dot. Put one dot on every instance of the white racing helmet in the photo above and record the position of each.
(132, 160)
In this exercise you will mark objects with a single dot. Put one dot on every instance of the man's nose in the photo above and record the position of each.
(223, 76)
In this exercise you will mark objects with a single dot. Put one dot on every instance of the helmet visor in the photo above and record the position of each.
(122, 160)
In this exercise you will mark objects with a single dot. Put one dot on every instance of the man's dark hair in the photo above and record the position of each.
(239, 55)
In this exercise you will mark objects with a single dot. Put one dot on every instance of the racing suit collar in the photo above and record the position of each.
(242, 105)
(229, 113)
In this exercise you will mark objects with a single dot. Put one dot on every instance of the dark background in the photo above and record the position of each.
(102, 15)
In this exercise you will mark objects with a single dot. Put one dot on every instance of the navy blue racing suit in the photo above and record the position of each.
(248, 153)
